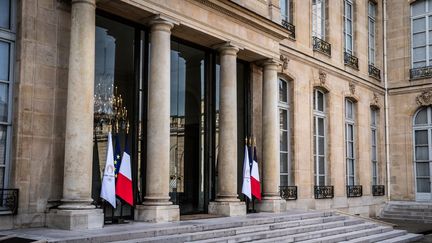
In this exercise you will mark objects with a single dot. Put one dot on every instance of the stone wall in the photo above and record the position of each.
(39, 107)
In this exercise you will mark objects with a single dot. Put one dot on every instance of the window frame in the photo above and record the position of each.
(427, 15)
(350, 123)
(287, 16)
(374, 146)
(345, 23)
(317, 115)
(282, 105)
(315, 19)
(372, 33)
(428, 128)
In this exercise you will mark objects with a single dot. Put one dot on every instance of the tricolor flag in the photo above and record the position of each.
(124, 178)
(255, 179)
(246, 188)
(108, 180)
(117, 157)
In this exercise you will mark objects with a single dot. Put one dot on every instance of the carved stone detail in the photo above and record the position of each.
(425, 98)
(352, 87)
(322, 77)
(285, 61)
(375, 99)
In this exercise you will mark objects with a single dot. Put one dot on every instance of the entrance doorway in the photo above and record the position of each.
(423, 153)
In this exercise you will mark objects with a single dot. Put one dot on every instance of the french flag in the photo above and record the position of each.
(255, 179)
(124, 178)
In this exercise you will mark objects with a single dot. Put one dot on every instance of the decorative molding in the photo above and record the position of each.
(322, 76)
(425, 98)
(375, 99)
(352, 87)
(285, 61)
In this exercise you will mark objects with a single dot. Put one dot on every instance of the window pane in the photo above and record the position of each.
(283, 163)
(422, 153)
(419, 39)
(4, 60)
(418, 7)
(320, 101)
(3, 136)
(419, 54)
(283, 119)
(5, 14)
(423, 185)
(283, 91)
(419, 25)
(283, 141)
(422, 169)
(421, 117)
(419, 64)
(374, 153)
(350, 150)
(284, 180)
(4, 97)
(321, 126)
(374, 137)
(321, 180)
(421, 137)
(321, 165)
(321, 146)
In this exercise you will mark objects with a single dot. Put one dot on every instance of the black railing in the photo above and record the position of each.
(9, 201)
(378, 190)
(354, 191)
(321, 46)
(290, 27)
(323, 192)
(421, 72)
(288, 192)
(351, 61)
(374, 72)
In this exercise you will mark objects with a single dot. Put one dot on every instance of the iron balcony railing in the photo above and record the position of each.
(354, 191)
(9, 201)
(321, 46)
(421, 72)
(351, 61)
(374, 72)
(288, 192)
(323, 192)
(290, 27)
(378, 190)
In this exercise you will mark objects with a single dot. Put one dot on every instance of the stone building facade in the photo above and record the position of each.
(327, 88)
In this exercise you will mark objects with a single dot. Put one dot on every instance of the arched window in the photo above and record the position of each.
(422, 130)
(284, 126)
(319, 128)
(350, 141)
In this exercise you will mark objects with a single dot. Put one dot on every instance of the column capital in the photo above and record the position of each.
(91, 2)
(270, 64)
(162, 23)
(227, 48)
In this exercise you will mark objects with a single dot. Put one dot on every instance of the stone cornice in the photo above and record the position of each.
(248, 17)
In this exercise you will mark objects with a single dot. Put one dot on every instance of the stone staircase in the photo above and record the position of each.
(408, 211)
(286, 227)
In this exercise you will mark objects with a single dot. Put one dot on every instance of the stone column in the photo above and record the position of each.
(271, 201)
(227, 202)
(156, 206)
(76, 211)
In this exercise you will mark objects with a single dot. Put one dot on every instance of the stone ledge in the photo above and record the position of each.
(157, 213)
(75, 219)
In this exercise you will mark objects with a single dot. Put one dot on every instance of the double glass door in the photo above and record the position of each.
(423, 154)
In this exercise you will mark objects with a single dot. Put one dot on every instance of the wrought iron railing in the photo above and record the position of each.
(354, 191)
(378, 190)
(374, 72)
(288, 192)
(351, 61)
(323, 192)
(9, 201)
(290, 27)
(321, 46)
(421, 72)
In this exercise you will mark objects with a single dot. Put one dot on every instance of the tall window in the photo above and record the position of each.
(319, 138)
(285, 158)
(350, 141)
(423, 149)
(371, 31)
(318, 18)
(286, 9)
(7, 53)
(374, 149)
(421, 33)
(348, 26)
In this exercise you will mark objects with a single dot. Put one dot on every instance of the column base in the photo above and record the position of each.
(227, 208)
(273, 205)
(157, 213)
(75, 219)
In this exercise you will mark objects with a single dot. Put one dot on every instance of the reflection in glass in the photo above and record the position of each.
(5, 10)
(4, 60)
(4, 97)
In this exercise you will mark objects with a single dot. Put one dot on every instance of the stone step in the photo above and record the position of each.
(294, 234)
(405, 209)
(405, 216)
(309, 224)
(350, 235)
(379, 237)
(404, 238)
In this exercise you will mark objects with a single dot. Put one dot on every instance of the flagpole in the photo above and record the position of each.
(246, 198)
